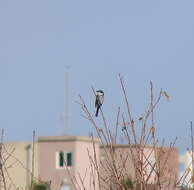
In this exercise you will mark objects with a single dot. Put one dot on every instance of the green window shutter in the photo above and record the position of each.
(61, 159)
(69, 159)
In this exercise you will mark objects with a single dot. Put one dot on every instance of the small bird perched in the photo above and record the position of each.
(99, 100)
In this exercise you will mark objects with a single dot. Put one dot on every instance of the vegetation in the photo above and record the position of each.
(149, 160)
(143, 163)
(41, 186)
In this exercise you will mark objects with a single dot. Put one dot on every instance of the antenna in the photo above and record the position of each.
(66, 114)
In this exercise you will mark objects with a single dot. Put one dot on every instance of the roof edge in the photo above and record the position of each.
(66, 138)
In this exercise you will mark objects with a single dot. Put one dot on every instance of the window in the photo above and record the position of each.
(62, 158)
(69, 159)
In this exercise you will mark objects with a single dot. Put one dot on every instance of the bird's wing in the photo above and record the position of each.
(97, 100)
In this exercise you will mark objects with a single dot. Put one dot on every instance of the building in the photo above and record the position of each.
(125, 158)
(17, 162)
(66, 161)
(186, 174)
(73, 162)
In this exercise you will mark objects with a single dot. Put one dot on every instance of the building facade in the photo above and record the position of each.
(17, 164)
(66, 161)
(73, 162)
(186, 174)
(126, 161)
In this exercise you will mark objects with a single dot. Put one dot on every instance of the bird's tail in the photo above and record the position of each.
(97, 110)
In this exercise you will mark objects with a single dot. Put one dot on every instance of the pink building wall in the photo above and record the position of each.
(80, 175)
(59, 177)
(166, 158)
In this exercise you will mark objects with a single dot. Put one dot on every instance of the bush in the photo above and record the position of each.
(40, 186)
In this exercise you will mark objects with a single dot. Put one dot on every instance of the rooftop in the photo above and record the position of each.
(67, 138)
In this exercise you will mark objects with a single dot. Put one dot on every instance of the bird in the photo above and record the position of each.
(99, 100)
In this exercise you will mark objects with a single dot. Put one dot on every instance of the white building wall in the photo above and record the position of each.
(186, 172)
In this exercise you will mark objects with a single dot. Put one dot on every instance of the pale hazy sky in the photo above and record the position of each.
(142, 40)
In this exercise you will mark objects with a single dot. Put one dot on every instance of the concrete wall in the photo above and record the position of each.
(123, 163)
(169, 166)
(125, 158)
(17, 164)
(84, 157)
(61, 177)
(46, 169)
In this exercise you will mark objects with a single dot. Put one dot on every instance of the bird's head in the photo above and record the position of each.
(100, 92)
